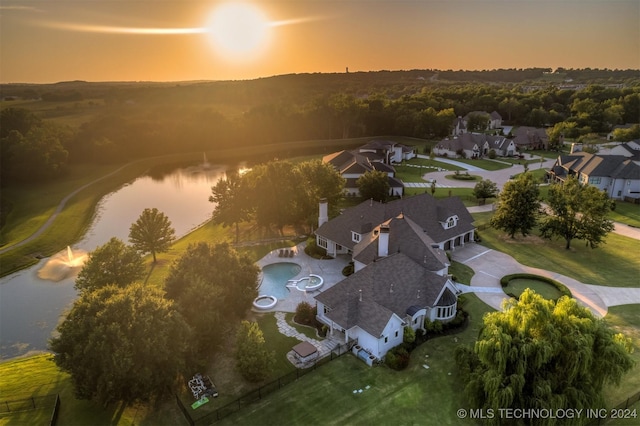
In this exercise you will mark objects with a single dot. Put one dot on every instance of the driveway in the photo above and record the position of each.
(500, 177)
(490, 265)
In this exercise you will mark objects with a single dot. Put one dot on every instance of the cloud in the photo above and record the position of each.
(105, 29)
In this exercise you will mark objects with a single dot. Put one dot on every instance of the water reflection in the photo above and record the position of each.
(30, 307)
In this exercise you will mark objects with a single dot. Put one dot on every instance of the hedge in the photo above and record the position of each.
(504, 281)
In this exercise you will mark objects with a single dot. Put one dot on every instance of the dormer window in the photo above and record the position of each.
(355, 237)
(450, 222)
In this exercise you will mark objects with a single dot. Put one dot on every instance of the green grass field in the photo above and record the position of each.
(615, 263)
(416, 395)
(627, 213)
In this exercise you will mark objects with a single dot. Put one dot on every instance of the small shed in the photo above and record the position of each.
(305, 352)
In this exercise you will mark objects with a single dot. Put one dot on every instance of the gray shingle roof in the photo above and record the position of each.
(390, 285)
(425, 211)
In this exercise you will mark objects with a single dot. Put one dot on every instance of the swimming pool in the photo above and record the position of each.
(275, 278)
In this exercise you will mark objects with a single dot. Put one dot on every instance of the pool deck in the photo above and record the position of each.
(330, 270)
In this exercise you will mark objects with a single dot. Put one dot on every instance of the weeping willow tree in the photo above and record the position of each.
(541, 354)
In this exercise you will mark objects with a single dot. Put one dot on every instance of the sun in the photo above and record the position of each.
(239, 29)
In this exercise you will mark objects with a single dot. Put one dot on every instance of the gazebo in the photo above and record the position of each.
(305, 352)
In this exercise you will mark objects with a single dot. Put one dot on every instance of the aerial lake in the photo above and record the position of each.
(31, 307)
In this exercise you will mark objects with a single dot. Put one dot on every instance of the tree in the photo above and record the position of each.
(213, 286)
(433, 187)
(478, 122)
(577, 211)
(253, 360)
(230, 196)
(112, 263)
(541, 354)
(317, 180)
(374, 184)
(273, 190)
(518, 206)
(152, 232)
(121, 344)
(485, 189)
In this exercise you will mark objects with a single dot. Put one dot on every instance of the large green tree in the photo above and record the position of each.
(253, 360)
(518, 206)
(375, 185)
(121, 344)
(112, 263)
(541, 354)
(232, 202)
(152, 232)
(213, 286)
(272, 188)
(577, 211)
(317, 180)
(485, 189)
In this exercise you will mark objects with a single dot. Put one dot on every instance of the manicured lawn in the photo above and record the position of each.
(626, 213)
(461, 272)
(615, 263)
(626, 319)
(519, 285)
(414, 396)
(465, 194)
(38, 375)
(538, 174)
(484, 164)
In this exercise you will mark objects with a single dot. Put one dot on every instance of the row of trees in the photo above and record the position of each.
(574, 211)
(157, 126)
(124, 340)
(277, 193)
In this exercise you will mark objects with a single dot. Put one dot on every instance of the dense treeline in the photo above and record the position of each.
(133, 120)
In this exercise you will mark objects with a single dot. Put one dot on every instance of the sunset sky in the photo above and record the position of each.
(177, 40)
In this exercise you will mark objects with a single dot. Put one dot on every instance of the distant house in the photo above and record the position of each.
(617, 175)
(461, 124)
(527, 138)
(475, 145)
(389, 152)
(375, 155)
(401, 269)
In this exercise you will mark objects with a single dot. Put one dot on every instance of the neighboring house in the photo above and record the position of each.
(389, 152)
(400, 264)
(461, 124)
(628, 149)
(617, 175)
(527, 138)
(353, 164)
(459, 127)
(475, 145)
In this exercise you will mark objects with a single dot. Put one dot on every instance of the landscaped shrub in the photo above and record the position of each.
(305, 314)
(504, 281)
(348, 270)
(492, 154)
(314, 251)
(397, 358)
(409, 335)
(433, 326)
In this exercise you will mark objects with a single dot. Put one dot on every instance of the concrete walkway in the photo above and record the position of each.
(490, 265)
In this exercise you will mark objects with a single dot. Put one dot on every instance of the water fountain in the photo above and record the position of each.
(63, 265)
(205, 162)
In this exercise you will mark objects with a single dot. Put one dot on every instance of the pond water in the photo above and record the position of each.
(30, 307)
